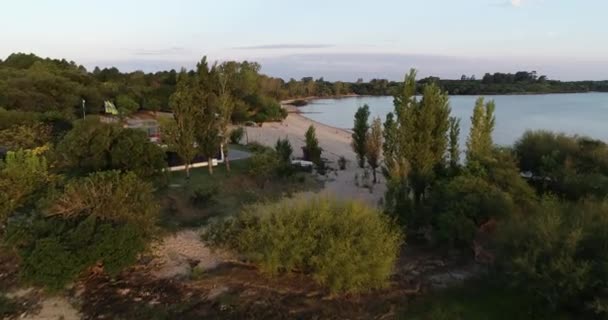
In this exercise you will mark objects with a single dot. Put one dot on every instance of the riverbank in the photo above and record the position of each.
(335, 142)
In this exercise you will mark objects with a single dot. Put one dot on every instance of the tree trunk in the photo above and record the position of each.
(374, 173)
(210, 164)
(226, 160)
(187, 171)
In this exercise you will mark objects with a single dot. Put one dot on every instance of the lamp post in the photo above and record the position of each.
(83, 109)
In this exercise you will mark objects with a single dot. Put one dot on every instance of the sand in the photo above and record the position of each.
(335, 143)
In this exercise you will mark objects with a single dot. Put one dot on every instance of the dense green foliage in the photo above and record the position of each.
(105, 219)
(311, 149)
(557, 252)
(24, 176)
(284, 149)
(329, 239)
(570, 166)
(93, 146)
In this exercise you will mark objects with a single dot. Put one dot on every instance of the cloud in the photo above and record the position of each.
(160, 52)
(285, 46)
(516, 3)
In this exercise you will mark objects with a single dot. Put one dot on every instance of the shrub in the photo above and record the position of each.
(299, 103)
(105, 218)
(55, 251)
(204, 195)
(311, 150)
(557, 253)
(263, 166)
(236, 135)
(110, 196)
(461, 205)
(284, 150)
(345, 246)
(23, 175)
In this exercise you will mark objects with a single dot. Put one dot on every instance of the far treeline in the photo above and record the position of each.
(35, 84)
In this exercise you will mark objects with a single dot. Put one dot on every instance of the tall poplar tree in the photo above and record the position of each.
(360, 131)
(419, 134)
(226, 76)
(180, 133)
(479, 143)
(454, 147)
(208, 119)
(373, 146)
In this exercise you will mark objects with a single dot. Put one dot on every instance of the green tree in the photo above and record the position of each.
(311, 150)
(180, 132)
(373, 146)
(479, 144)
(96, 146)
(226, 75)
(208, 119)
(126, 105)
(420, 135)
(454, 148)
(360, 131)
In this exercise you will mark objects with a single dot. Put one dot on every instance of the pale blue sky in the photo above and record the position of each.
(340, 39)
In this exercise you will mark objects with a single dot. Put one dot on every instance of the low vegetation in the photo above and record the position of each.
(323, 237)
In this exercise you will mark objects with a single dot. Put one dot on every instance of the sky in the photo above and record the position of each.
(337, 39)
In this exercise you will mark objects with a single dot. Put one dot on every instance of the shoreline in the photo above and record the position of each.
(335, 142)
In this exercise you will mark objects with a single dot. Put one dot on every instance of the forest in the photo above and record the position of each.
(34, 84)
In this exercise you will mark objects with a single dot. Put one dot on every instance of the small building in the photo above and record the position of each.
(148, 121)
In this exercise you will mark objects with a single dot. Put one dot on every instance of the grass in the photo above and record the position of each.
(477, 300)
(235, 189)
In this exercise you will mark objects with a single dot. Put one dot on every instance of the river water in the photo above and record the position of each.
(578, 113)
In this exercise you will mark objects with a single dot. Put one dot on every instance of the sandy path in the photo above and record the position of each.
(335, 143)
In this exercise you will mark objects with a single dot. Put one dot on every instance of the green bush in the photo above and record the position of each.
(463, 204)
(558, 253)
(105, 218)
(263, 166)
(284, 149)
(204, 195)
(311, 150)
(345, 246)
(55, 251)
(236, 135)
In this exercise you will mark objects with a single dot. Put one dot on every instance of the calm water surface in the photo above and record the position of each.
(580, 113)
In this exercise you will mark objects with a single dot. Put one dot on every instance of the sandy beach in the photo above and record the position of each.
(335, 143)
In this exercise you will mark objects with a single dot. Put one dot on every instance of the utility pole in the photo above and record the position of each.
(83, 109)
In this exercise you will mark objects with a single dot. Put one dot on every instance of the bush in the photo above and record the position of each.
(463, 204)
(263, 166)
(311, 150)
(558, 253)
(236, 135)
(106, 218)
(345, 246)
(284, 150)
(55, 251)
(204, 195)
(299, 103)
